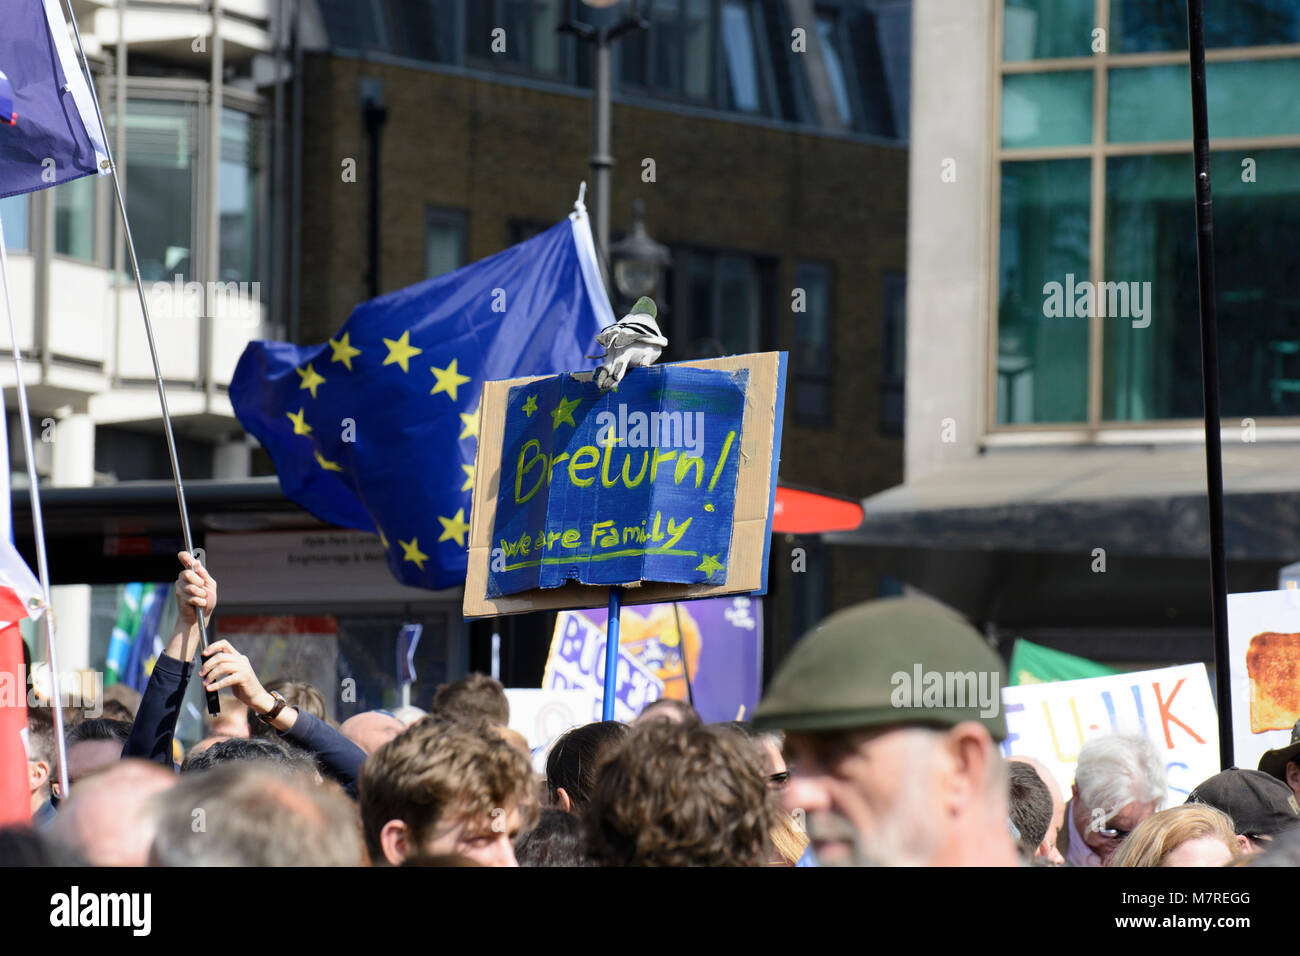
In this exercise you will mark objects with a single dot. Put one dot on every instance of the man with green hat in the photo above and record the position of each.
(892, 711)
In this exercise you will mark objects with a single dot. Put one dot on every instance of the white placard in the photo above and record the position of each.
(1172, 706)
(542, 715)
(1250, 614)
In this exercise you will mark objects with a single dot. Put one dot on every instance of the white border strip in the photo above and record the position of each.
(590, 265)
(76, 82)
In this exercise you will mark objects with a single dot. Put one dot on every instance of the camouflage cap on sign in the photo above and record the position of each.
(893, 661)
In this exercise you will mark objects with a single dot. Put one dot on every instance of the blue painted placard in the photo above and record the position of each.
(635, 484)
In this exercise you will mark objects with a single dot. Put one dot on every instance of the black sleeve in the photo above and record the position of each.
(155, 720)
(339, 757)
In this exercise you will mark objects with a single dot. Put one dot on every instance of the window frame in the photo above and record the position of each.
(827, 268)
(446, 215)
(1098, 150)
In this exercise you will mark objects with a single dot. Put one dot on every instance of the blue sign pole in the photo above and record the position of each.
(611, 653)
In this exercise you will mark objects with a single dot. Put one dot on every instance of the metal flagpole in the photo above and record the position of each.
(611, 652)
(1210, 375)
(214, 706)
(38, 528)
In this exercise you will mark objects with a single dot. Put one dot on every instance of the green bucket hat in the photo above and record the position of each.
(888, 662)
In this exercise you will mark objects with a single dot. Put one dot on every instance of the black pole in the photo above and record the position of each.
(1210, 376)
(375, 116)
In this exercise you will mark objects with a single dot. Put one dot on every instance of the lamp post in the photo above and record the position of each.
(638, 262)
(600, 23)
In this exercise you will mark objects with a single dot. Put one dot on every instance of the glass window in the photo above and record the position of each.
(238, 198)
(13, 213)
(1042, 359)
(1140, 26)
(160, 158)
(836, 72)
(352, 24)
(1153, 371)
(722, 304)
(1046, 109)
(1245, 98)
(666, 36)
(74, 218)
(1042, 29)
(421, 29)
(444, 241)
(743, 80)
(812, 343)
(893, 353)
(698, 35)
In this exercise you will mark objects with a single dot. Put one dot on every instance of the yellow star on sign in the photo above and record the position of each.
(530, 406)
(311, 379)
(469, 478)
(454, 527)
(449, 379)
(401, 351)
(471, 424)
(300, 427)
(564, 412)
(411, 552)
(709, 565)
(327, 464)
(343, 351)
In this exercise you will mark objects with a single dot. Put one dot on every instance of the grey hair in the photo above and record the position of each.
(1116, 770)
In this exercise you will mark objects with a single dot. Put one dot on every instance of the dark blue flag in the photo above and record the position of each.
(377, 429)
(51, 135)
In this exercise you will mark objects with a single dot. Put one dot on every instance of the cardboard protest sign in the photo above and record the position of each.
(719, 646)
(1264, 668)
(1172, 706)
(664, 486)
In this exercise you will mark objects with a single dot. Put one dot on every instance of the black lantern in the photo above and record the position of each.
(638, 261)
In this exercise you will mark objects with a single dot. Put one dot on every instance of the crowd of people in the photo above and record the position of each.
(833, 769)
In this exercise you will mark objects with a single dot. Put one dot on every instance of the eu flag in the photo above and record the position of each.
(377, 429)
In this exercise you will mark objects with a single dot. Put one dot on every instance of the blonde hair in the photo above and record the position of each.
(1156, 837)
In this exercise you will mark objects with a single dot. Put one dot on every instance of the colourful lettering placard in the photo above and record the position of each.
(664, 486)
(1171, 706)
(634, 484)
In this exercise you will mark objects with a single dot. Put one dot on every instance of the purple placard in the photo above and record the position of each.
(722, 638)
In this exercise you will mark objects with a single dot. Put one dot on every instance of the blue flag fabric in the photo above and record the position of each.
(377, 429)
(55, 134)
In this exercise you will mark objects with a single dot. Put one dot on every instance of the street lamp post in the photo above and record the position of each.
(611, 19)
(638, 262)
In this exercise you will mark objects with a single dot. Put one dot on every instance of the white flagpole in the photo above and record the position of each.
(214, 706)
(38, 526)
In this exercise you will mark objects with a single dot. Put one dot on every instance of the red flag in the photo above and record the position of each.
(15, 798)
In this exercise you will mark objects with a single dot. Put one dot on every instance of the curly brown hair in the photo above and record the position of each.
(434, 768)
(674, 795)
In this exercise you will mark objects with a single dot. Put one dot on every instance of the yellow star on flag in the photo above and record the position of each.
(343, 351)
(300, 427)
(471, 424)
(411, 552)
(530, 406)
(454, 527)
(449, 379)
(401, 351)
(469, 478)
(327, 464)
(709, 565)
(311, 379)
(564, 412)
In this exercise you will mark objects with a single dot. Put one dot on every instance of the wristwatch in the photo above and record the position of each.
(280, 704)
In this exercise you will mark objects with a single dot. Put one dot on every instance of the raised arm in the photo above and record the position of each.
(339, 757)
(155, 720)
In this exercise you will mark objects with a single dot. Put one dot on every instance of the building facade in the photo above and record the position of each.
(1055, 471)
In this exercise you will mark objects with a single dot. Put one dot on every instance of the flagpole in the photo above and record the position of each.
(611, 652)
(38, 527)
(1210, 376)
(214, 705)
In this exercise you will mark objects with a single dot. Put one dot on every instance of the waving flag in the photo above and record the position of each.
(377, 429)
(51, 133)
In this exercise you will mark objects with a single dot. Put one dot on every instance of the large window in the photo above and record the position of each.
(1096, 292)
(719, 304)
(444, 241)
(74, 218)
(238, 198)
(520, 34)
(13, 215)
(813, 358)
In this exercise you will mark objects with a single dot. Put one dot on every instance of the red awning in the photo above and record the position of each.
(807, 512)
